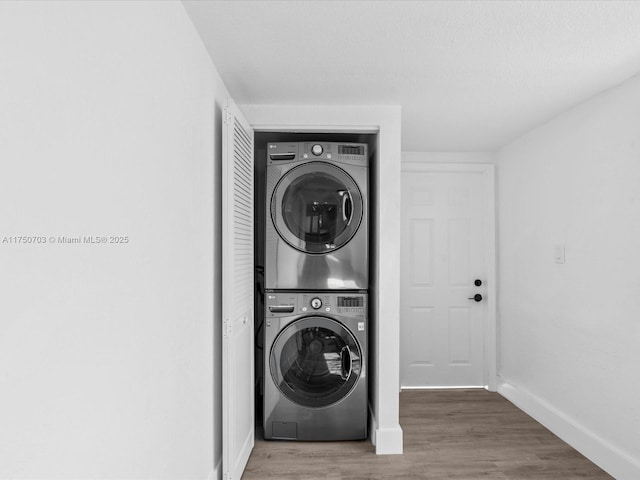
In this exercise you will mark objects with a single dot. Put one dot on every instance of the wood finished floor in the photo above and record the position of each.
(448, 434)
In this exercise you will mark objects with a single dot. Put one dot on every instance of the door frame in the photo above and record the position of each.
(490, 328)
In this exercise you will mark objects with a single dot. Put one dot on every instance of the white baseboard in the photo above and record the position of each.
(388, 441)
(444, 387)
(611, 459)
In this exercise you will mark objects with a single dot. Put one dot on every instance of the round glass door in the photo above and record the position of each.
(316, 207)
(315, 362)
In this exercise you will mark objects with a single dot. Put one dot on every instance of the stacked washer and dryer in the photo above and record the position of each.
(316, 280)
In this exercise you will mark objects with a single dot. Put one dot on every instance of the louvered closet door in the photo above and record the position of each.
(237, 293)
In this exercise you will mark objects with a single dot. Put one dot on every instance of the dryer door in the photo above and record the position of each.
(316, 207)
(315, 361)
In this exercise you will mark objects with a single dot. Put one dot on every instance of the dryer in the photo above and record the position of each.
(315, 382)
(317, 216)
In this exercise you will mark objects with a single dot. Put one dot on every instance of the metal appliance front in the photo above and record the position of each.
(315, 361)
(315, 350)
(316, 207)
(317, 219)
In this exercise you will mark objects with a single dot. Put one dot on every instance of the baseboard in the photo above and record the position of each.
(611, 459)
(445, 387)
(388, 441)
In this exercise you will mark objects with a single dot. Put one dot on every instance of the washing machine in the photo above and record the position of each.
(315, 361)
(317, 216)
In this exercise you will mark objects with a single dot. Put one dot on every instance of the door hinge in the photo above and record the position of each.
(227, 327)
(228, 115)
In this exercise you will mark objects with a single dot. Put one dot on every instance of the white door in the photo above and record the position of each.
(447, 276)
(238, 424)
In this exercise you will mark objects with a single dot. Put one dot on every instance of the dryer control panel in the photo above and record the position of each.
(351, 153)
(350, 304)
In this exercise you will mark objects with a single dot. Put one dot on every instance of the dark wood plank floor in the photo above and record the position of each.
(448, 434)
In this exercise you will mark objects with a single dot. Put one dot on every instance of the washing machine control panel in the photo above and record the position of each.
(284, 152)
(281, 304)
(353, 304)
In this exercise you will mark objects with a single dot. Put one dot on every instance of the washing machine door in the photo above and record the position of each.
(315, 361)
(316, 207)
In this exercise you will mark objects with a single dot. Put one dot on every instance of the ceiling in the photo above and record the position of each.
(469, 75)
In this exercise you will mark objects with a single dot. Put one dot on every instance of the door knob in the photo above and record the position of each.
(477, 297)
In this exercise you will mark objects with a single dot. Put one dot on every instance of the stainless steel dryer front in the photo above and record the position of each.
(317, 216)
(315, 382)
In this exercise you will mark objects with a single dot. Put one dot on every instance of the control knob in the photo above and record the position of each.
(317, 150)
(316, 303)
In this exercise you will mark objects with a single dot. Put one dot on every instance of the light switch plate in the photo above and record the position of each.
(558, 253)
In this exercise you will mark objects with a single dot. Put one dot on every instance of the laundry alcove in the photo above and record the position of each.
(378, 127)
(261, 140)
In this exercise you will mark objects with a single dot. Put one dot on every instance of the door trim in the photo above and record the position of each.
(490, 328)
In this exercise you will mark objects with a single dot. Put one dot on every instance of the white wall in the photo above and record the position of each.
(449, 157)
(107, 366)
(570, 333)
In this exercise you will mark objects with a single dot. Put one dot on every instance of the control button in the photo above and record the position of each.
(317, 150)
(328, 309)
(304, 309)
(328, 155)
(305, 156)
(316, 303)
